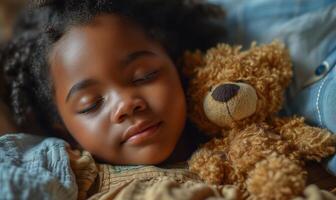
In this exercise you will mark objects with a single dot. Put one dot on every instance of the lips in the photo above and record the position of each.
(140, 130)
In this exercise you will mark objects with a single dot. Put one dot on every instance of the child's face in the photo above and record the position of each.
(118, 92)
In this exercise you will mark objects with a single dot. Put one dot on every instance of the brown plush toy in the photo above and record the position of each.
(235, 95)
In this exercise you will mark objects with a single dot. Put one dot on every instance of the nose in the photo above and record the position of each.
(127, 107)
(225, 92)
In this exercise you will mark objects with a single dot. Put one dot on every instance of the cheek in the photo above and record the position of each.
(81, 129)
(87, 131)
(167, 98)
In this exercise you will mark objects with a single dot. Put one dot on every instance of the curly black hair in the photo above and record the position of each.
(177, 24)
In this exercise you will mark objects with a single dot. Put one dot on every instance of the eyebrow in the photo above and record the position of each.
(80, 86)
(135, 55)
(90, 82)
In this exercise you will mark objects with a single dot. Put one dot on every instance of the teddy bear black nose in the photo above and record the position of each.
(225, 92)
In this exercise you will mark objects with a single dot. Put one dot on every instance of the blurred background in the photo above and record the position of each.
(8, 12)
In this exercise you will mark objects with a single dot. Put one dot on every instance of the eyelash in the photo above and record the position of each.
(93, 107)
(146, 78)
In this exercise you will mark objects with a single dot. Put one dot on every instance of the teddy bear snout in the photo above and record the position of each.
(230, 102)
(225, 92)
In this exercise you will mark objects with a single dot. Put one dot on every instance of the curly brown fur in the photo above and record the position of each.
(271, 180)
(261, 153)
(271, 73)
(312, 142)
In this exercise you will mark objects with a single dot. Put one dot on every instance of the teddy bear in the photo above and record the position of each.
(235, 96)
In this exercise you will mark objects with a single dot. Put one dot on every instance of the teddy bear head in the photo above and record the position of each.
(230, 88)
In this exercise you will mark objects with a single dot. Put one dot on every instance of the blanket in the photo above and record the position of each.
(33, 167)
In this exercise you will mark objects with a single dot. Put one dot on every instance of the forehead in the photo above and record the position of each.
(92, 48)
(104, 36)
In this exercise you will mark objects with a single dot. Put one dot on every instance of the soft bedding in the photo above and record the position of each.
(32, 167)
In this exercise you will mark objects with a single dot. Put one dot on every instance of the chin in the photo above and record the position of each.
(152, 156)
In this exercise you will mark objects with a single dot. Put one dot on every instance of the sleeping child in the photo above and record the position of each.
(104, 75)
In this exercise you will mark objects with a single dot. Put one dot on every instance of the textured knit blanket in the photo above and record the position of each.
(33, 167)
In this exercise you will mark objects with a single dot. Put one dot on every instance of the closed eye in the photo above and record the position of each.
(93, 107)
(148, 77)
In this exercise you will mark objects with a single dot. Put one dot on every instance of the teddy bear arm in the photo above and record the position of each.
(313, 143)
(211, 166)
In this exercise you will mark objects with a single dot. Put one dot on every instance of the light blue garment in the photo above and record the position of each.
(33, 167)
(308, 28)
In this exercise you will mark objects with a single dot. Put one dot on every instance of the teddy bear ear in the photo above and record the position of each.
(276, 56)
(191, 61)
(282, 60)
(223, 50)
